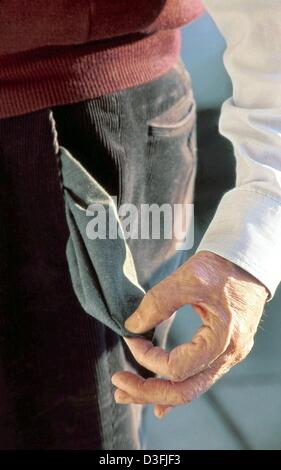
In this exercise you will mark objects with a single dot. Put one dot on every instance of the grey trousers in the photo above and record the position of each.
(55, 360)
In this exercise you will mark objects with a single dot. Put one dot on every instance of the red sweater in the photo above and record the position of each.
(63, 51)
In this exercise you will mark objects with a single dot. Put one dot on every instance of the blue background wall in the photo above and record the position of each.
(202, 51)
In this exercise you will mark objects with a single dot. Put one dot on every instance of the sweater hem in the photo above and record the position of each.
(59, 76)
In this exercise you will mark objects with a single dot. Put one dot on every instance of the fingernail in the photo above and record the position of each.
(161, 414)
(114, 379)
(158, 414)
(132, 324)
(122, 398)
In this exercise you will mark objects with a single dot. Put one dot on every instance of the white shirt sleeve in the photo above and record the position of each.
(246, 228)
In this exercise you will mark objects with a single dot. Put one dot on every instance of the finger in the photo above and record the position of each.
(122, 398)
(149, 356)
(160, 411)
(142, 390)
(186, 360)
(158, 304)
(165, 392)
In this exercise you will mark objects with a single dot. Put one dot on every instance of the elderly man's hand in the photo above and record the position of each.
(229, 302)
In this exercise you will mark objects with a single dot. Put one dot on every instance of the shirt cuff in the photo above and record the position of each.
(246, 230)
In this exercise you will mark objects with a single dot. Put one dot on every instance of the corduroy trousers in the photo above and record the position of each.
(56, 361)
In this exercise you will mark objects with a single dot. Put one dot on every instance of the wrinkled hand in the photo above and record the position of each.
(229, 302)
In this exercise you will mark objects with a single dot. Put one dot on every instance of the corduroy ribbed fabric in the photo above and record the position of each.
(57, 361)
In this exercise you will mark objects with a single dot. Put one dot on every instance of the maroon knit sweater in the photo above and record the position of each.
(63, 51)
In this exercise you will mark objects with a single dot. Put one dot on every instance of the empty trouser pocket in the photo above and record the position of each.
(101, 267)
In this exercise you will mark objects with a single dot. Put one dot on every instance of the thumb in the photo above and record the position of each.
(158, 304)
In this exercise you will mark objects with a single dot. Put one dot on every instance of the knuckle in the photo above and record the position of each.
(184, 397)
(152, 297)
(240, 345)
(140, 388)
(176, 376)
(239, 356)
(233, 346)
(175, 369)
(228, 359)
(188, 394)
(244, 351)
